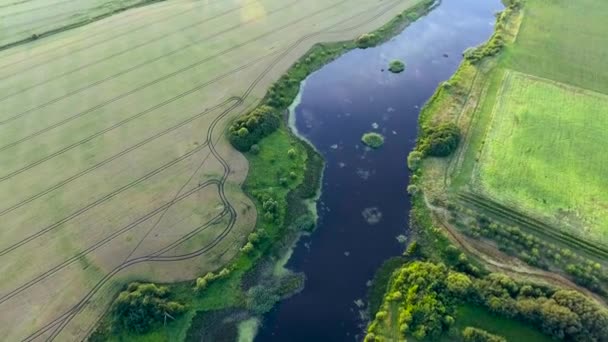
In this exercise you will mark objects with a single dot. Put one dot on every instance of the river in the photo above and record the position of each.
(364, 205)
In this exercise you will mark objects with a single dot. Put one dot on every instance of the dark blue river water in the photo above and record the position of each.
(364, 205)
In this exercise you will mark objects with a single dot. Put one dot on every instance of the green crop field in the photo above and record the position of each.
(545, 152)
(534, 124)
(114, 161)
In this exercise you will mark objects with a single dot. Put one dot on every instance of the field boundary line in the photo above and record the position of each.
(62, 46)
(107, 58)
(76, 24)
(525, 220)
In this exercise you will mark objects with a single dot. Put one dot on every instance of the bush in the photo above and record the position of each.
(396, 67)
(255, 149)
(439, 140)
(249, 129)
(373, 140)
(414, 160)
(470, 334)
(204, 281)
(367, 40)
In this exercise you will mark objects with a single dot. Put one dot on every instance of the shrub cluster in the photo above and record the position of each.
(439, 140)
(491, 48)
(252, 239)
(142, 305)
(203, 282)
(367, 40)
(271, 209)
(497, 42)
(564, 314)
(249, 129)
(471, 334)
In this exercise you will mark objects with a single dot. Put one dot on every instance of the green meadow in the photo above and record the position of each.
(545, 153)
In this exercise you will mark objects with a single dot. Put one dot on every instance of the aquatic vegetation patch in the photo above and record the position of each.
(373, 140)
(372, 215)
(396, 67)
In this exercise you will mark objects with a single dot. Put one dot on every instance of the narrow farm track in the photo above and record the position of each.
(497, 261)
(194, 167)
(511, 216)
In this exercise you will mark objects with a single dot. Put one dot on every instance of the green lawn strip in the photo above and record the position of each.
(469, 315)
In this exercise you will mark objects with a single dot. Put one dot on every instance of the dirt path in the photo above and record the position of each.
(498, 261)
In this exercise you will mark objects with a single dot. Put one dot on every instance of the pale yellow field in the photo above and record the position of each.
(114, 165)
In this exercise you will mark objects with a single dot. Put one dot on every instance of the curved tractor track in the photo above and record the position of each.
(53, 328)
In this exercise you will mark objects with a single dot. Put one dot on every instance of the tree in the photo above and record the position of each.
(439, 140)
(142, 305)
(249, 129)
(367, 40)
(459, 284)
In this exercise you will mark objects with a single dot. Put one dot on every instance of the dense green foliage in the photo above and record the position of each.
(471, 334)
(141, 306)
(418, 301)
(203, 282)
(249, 129)
(396, 66)
(439, 140)
(422, 297)
(373, 139)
